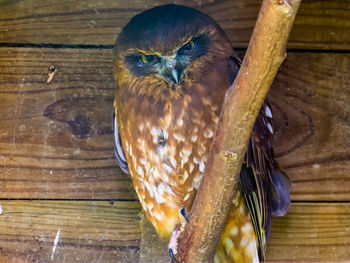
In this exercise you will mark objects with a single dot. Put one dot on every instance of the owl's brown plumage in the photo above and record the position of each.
(172, 67)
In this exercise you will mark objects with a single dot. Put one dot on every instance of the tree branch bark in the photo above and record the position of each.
(243, 101)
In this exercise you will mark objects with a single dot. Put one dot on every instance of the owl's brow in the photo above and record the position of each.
(151, 51)
(208, 30)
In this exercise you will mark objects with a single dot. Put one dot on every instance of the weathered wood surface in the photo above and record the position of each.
(309, 232)
(319, 24)
(86, 231)
(311, 103)
(56, 141)
(110, 232)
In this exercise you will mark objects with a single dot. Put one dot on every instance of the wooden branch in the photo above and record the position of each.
(243, 101)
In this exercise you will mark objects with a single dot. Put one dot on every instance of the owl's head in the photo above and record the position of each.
(164, 49)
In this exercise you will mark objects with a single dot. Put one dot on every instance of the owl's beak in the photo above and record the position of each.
(176, 76)
(173, 71)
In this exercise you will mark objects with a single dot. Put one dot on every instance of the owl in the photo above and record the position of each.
(172, 67)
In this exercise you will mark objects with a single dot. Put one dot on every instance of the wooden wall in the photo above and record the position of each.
(63, 198)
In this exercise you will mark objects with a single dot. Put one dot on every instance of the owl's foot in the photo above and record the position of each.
(173, 243)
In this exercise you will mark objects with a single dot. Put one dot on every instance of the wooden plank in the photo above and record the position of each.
(318, 232)
(110, 232)
(56, 139)
(319, 24)
(311, 232)
(311, 105)
(85, 231)
(44, 153)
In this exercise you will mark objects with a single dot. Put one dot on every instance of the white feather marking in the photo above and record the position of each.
(159, 196)
(268, 112)
(195, 129)
(191, 167)
(156, 173)
(208, 133)
(167, 168)
(150, 206)
(166, 189)
(269, 126)
(194, 138)
(154, 131)
(201, 167)
(165, 133)
(130, 150)
(140, 171)
(179, 137)
(247, 227)
(142, 161)
(197, 181)
(195, 160)
(185, 176)
(244, 241)
(234, 231)
(161, 152)
(180, 122)
(187, 196)
(185, 153)
(173, 162)
(149, 188)
(202, 149)
(165, 178)
(158, 215)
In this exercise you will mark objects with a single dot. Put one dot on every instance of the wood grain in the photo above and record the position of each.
(56, 141)
(309, 232)
(102, 231)
(311, 105)
(319, 24)
(88, 231)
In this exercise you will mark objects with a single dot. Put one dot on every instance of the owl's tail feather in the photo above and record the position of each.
(280, 203)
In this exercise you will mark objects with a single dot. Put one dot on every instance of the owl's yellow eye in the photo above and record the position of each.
(189, 45)
(145, 59)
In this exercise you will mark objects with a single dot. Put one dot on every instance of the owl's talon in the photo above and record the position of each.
(183, 213)
(173, 259)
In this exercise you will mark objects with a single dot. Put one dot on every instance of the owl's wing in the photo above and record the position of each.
(118, 147)
(256, 181)
(265, 187)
